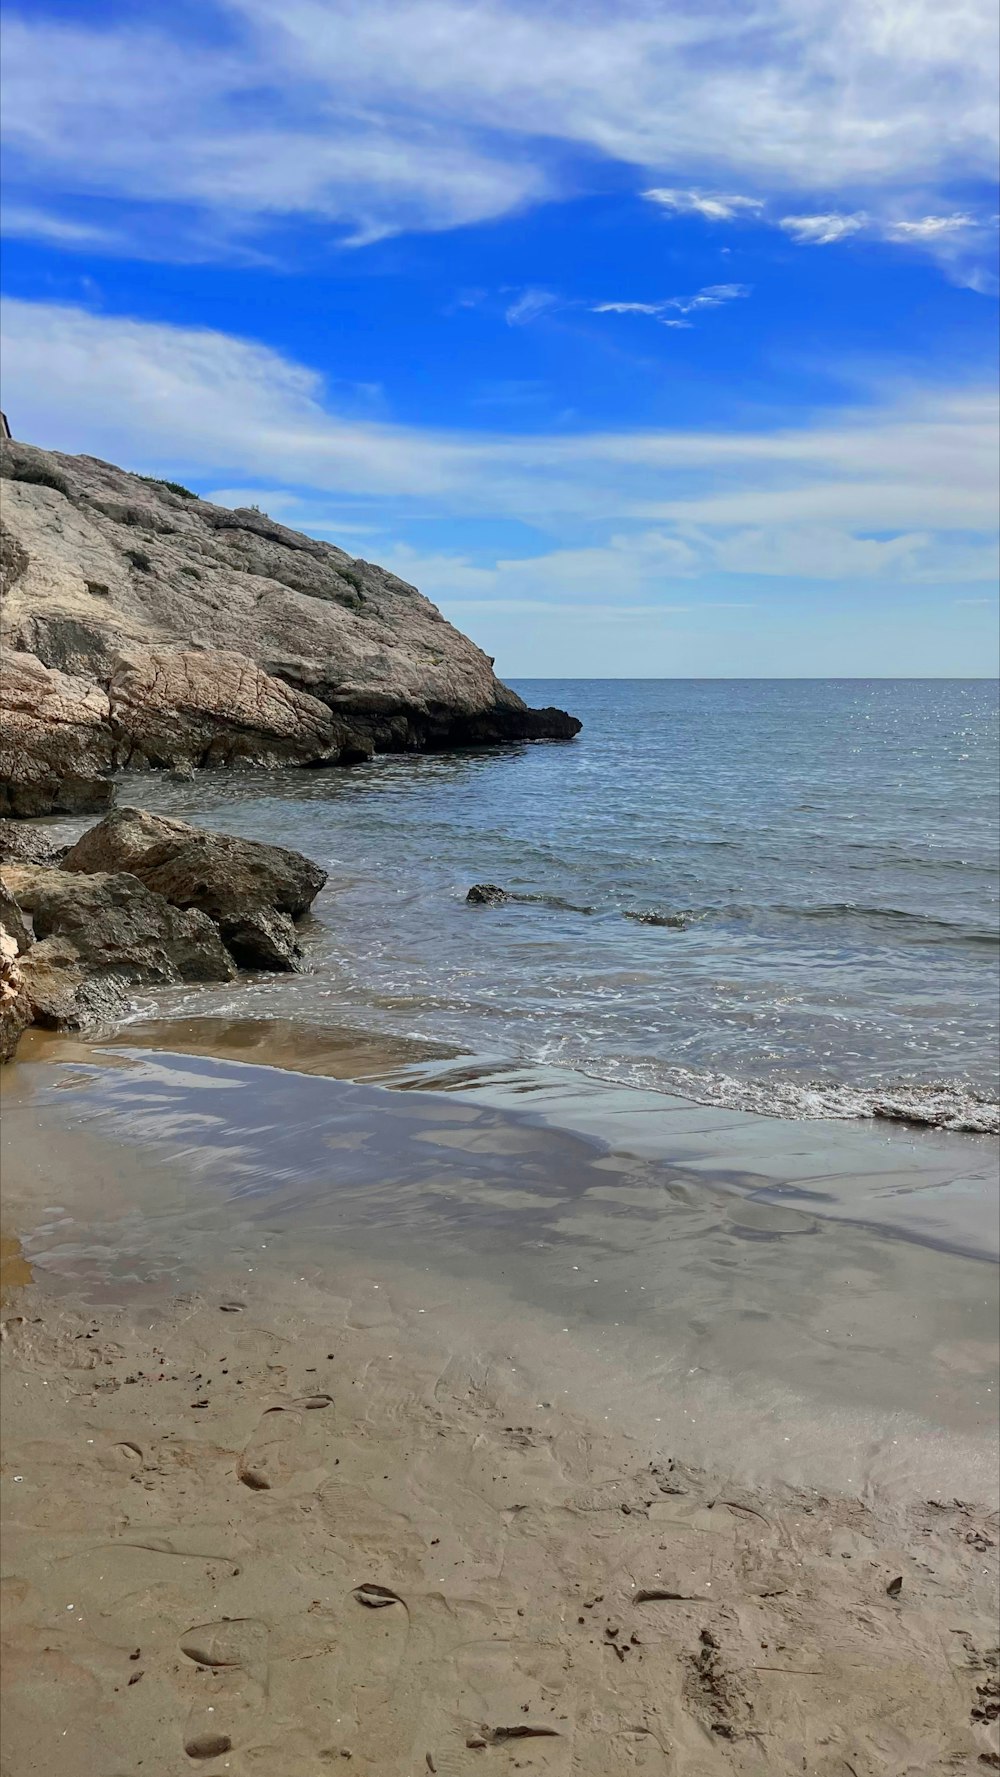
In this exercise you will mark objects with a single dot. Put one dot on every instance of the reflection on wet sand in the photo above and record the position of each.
(779, 1282)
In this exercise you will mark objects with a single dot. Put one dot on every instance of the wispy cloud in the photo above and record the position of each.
(431, 114)
(715, 206)
(628, 308)
(713, 296)
(928, 228)
(861, 496)
(962, 244)
(528, 305)
(822, 231)
(23, 222)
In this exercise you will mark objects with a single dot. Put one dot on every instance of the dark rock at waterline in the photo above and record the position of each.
(487, 894)
(251, 891)
(677, 921)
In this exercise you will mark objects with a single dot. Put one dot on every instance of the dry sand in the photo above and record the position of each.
(284, 1524)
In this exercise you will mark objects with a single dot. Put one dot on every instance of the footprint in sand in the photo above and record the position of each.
(271, 1456)
(230, 1660)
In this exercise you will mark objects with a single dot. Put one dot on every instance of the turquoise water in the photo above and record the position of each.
(825, 852)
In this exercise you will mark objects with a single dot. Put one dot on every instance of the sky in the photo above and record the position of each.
(647, 337)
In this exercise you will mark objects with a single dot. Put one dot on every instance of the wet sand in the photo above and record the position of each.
(401, 1429)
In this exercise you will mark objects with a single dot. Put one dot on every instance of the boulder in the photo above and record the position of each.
(212, 636)
(62, 995)
(55, 742)
(252, 891)
(119, 927)
(487, 894)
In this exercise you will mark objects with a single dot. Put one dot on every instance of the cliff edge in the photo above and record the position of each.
(143, 627)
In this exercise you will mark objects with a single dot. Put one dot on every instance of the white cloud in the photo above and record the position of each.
(711, 297)
(433, 113)
(903, 488)
(23, 222)
(820, 231)
(528, 306)
(714, 206)
(928, 228)
(628, 308)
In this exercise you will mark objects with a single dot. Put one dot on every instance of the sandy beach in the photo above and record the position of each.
(274, 1504)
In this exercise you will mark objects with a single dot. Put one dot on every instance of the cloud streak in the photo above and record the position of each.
(431, 114)
(713, 206)
(713, 296)
(865, 496)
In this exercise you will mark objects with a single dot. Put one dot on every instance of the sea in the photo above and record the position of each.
(778, 896)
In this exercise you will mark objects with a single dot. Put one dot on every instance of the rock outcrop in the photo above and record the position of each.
(145, 627)
(252, 892)
(56, 746)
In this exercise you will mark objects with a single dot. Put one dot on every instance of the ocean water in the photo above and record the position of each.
(779, 896)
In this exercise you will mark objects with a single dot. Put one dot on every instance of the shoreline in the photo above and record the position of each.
(499, 1453)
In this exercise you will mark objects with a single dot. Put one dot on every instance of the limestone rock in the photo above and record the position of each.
(120, 927)
(214, 636)
(13, 922)
(180, 707)
(15, 1010)
(62, 995)
(252, 891)
(55, 743)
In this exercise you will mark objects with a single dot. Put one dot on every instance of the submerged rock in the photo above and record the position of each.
(487, 894)
(677, 921)
(252, 891)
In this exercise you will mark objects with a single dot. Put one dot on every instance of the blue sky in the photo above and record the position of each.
(645, 338)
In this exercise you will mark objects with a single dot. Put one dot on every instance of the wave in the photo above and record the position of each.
(678, 920)
(897, 916)
(949, 1104)
(920, 927)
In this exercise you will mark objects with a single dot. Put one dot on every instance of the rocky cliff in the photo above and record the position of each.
(143, 627)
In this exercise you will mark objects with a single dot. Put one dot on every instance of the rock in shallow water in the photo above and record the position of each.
(487, 894)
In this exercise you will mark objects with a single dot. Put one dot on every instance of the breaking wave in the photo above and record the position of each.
(949, 1104)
